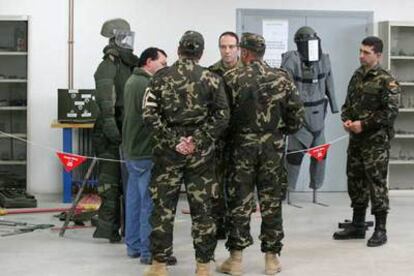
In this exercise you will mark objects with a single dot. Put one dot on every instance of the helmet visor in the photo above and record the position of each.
(124, 39)
(313, 50)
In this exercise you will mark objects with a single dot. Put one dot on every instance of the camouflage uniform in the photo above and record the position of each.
(373, 98)
(184, 100)
(265, 107)
(221, 160)
(220, 69)
(110, 78)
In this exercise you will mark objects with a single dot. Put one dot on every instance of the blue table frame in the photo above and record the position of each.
(67, 144)
(67, 176)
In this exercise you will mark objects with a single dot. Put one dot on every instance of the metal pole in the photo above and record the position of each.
(70, 44)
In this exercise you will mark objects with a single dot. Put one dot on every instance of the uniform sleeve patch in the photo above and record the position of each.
(392, 85)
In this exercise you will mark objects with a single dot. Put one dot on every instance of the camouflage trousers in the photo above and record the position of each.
(109, 177)
(170, 171)
(367, 168)
(256, 162)
(218, 199)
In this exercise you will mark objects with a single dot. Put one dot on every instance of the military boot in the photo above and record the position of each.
(233, 264)
(356, 230)
(156, 269)
(104, 230)
(203, 269)
(380, 233)
(272, 263)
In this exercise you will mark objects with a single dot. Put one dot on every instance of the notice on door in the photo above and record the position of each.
(275, 32)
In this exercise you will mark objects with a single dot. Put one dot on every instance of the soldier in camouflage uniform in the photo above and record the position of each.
(265, 107)
(187, 109)
(110, 78)
(369, 112)
(229, 51)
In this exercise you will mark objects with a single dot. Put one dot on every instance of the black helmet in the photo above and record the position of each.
(305, 33)
(308, 44)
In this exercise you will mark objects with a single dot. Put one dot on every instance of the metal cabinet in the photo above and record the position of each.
(398, 57)
(13, 100)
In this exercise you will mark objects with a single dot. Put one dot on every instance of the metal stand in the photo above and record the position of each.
(289, 202)
(75, 202)
(315, 200)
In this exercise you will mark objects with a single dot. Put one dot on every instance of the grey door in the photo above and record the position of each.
(341, 34)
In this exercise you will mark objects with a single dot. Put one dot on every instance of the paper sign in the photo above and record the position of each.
(313, 50)
(275, 32)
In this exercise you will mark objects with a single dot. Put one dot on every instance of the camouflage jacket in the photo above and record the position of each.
(110, 78)
(186, 100)
(264, 100)
(219, 68)
(373, 98)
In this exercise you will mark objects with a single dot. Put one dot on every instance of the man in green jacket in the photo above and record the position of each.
(110, 77)
(137, 147)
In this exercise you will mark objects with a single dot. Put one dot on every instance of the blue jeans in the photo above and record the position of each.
(138, 208)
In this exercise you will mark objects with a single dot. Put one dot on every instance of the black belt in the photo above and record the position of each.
(257, 132)
(299, 79)
(307, 104)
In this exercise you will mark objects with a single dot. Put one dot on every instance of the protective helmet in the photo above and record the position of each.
(110, 26)
(305, 33)
(308, 44)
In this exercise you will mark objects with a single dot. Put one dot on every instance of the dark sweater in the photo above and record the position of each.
(136, 138)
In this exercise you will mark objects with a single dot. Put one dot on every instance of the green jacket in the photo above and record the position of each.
(110, 78)
(136, 138)
(373, 98)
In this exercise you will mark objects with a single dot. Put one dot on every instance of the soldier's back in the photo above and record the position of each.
(186, 91)
(258, 94)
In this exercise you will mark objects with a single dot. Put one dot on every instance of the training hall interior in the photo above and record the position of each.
(49, 188)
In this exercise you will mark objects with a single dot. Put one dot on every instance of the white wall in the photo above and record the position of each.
(156, 23)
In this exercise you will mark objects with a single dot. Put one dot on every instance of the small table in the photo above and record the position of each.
(67, 147)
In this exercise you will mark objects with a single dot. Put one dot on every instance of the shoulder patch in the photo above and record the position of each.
(392, 84)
